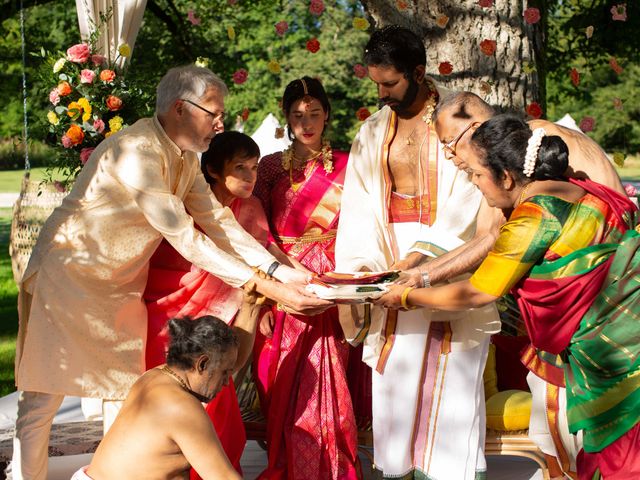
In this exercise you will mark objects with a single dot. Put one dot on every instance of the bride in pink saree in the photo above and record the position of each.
(311, 428)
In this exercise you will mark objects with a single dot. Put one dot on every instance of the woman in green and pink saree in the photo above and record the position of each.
(570, 255)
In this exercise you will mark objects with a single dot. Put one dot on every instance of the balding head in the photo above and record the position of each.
(455, 119)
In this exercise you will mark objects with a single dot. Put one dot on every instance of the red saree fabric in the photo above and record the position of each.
(175, 288)
(311, 429)
(618, 461)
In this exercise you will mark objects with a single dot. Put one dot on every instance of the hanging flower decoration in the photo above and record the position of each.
(445, 68)
(618, 159)
(313, 45)
(442, 21)
(316, 7)
(281, 27)
(240, 76)
(402, 5)
(202, 62)
(231, 33)
(589, 31)
(575, 77)
(630, 190)
(360, 23)
(617, 104)
(619, 13)
(485, 3)
(273, 66)
(360, 71)
(531, 15)
(232, 2)
(613, 63)
(534, 110)
(488, 47)
(528, 67)
(191, 16)
(279, 133)
(86, 92)
(363, 113)
(587, 124)
(245, 114)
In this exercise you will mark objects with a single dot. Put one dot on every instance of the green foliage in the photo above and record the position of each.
(8, 309)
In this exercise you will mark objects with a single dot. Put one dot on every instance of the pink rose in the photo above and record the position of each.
(619, 12)
(79, 53)
(87, 76)
(587, 124)
(360, 70)
(281, 27)
(631, 190)
(532, 15)
(98, 60)
(85, 153)
(240, 76)
(316, 7)
(54, 96)
(66, 142)
(98, 124)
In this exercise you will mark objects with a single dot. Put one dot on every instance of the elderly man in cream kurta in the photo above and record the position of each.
(82, 318)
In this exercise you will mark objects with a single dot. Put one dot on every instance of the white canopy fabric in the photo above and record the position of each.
(265, 136)
(122, 27)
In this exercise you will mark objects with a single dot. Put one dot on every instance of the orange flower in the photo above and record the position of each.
(488, 47)
(363, 113)
(113, 103)
(613, 63)
(575, 77)
(445, 68)
(64, 89)
(442, 21)
(534, 110)
(75, 134)
(107, 75)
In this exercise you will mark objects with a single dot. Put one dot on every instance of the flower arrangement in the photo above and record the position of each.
(89, 100)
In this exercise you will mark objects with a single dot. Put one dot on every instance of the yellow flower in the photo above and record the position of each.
(124, 50)
(86, 109)
(618, 159)
(108, 134)
(74, 110)
(58, 65)
(115, 124)
(53, 118)
(231, 32)
(529, 67)
(360, 23)
(202, 62)
(273, 66)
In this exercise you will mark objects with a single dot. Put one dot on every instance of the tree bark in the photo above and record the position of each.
(501, 79)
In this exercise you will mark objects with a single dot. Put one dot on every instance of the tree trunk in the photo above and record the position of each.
(507, 79)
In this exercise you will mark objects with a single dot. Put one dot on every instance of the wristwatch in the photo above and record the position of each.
(426, 281)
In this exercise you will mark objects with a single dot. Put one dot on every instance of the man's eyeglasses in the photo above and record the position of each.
(450, 147)
(215, 117)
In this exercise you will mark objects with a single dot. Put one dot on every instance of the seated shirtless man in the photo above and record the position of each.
(163, 429)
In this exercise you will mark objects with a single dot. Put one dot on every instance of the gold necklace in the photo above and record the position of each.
(523, 193)
(427, 113)
(165, 368)
(289, 159)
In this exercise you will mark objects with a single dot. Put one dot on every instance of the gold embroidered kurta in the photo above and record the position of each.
(83, 322)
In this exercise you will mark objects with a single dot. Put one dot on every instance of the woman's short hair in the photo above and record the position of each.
(502, 143)
(304, 87)
(397, 47)
(225, 147)
(191, 338)
(189, 82)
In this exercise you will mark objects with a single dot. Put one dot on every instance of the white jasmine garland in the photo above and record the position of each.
(533, 145)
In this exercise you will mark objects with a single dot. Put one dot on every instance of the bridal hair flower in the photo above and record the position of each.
(533, 145)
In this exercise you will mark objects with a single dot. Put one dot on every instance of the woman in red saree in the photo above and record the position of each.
(175, 288)
(311, 429)
(570, 255)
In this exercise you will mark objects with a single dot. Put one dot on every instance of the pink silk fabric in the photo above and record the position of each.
(311, 428)
(175, 288)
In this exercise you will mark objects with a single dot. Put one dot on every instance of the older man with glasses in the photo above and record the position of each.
(82, 317)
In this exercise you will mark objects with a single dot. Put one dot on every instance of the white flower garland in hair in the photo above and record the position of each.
(533, 145)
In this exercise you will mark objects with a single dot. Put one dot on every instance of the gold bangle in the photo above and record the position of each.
(404, 298)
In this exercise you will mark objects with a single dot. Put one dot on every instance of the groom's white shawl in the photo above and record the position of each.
(364, 241)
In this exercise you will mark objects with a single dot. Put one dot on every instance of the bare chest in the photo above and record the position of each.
(408, 153)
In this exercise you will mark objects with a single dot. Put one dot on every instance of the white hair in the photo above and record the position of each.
(189, 82)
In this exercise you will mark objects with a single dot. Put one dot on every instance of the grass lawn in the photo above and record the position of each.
(11, 180)
(8, 308)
